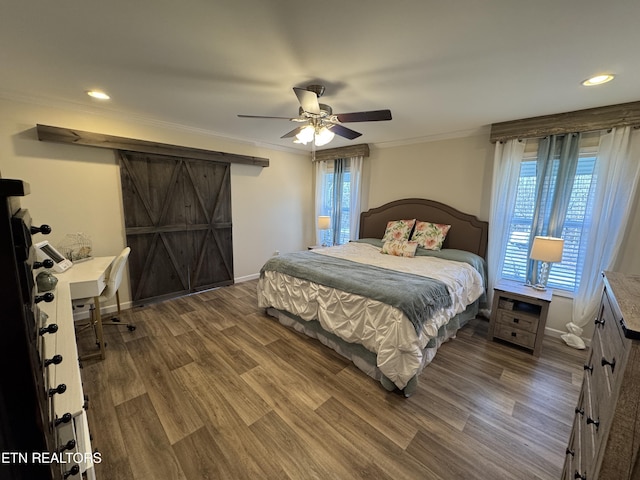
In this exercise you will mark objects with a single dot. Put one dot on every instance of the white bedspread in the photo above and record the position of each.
(380, 328)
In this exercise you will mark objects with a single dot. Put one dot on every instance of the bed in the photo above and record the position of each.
(381, 301)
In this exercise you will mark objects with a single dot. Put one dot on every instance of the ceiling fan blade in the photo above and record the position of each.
(261, 116)
(344, 131)
(293, 132)
(308, 100)
(372, 116)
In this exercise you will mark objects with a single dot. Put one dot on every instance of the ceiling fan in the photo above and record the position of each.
(320, 124)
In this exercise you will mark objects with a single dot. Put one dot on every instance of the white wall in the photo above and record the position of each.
(77, 188)
(456, 172)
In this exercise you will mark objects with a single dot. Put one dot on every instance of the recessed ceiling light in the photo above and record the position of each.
(598, 80)
(98, 94)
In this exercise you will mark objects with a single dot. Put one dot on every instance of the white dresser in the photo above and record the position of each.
(43, 424)
(68, 409)
(605, 440)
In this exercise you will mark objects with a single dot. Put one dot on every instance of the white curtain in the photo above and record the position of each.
(354, 166)
(506, 171)
(321, 170)
(618, 176)
(355, 169)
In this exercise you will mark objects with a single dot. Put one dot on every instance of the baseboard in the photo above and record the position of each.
(247, 278)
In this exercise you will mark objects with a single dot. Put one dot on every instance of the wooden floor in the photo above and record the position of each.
(209, 387)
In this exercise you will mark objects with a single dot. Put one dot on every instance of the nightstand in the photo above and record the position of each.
(519, 315)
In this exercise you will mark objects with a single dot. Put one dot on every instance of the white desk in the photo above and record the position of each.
(87, 279)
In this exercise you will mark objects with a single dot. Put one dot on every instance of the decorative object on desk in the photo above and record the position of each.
(546, 250)
(46, 281)
(324, 224)
(76, 246)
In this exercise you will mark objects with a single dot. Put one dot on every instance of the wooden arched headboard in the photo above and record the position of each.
(466, 233)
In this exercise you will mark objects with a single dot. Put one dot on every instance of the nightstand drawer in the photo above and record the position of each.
(519, 314)
(515, 335)
(519, 320)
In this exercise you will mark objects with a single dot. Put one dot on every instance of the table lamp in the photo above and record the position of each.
(324, 223)
(546, 250)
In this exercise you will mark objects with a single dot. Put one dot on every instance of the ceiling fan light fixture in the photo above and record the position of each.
(323, 136)
(321, 125)
(305, 135)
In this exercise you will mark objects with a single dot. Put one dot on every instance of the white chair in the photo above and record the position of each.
(114, 279)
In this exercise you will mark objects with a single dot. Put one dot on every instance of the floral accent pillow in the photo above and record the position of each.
(399, 248)
(398, 230)
(430, 235)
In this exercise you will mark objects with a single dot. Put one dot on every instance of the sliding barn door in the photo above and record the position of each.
(178, 224)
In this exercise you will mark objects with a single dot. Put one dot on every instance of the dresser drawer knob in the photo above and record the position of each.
(580, 411)
(55, 360)
(570, 452)
(514, 334)
(599, 321)
(516, 320)
(594, 422)
(611, 363)
(579, 476)
(66, 418)
(70, 445)
(588, 367)
(73, 471)
(43, 229)
(47, 263)
(53, 328)
(60, 389)
(47, 297)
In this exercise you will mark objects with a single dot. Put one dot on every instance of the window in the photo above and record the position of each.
(335, 190)
(565, 275)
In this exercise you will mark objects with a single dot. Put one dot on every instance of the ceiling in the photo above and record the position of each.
(444, 69)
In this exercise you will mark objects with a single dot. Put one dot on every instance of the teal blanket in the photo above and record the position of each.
(472, 259)
(417, 297)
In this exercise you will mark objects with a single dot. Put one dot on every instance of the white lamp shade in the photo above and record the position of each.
(323, 136)
(324, 222)
(547, 249)
(305, 135)
(319, 135)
